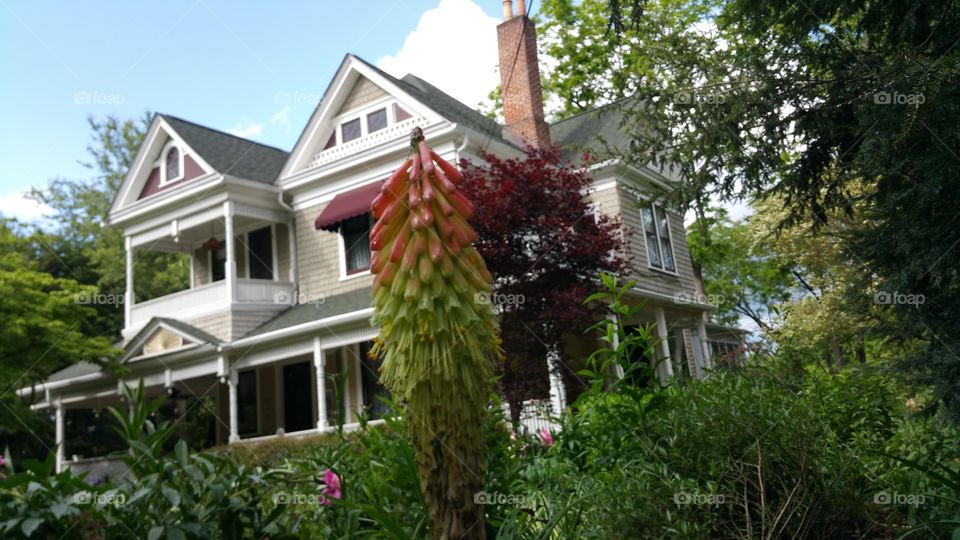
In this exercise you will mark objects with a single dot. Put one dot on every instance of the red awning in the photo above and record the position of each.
(347, 205)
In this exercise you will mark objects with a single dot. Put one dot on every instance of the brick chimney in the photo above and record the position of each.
(520, 76)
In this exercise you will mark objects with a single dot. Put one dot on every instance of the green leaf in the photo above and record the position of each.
(182, 452)
(59, 510)
(30, 525)
(171, 494)
(155, 533)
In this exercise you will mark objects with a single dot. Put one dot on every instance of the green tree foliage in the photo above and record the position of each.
(44, 326)
(805, 103)
(741, 273)
(82, 247)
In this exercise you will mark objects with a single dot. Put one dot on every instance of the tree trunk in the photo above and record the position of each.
(837, 351)
(862, 347)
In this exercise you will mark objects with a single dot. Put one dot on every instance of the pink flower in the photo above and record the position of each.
(3, 460)
(513, 436)
(331, 488)
(546, 437)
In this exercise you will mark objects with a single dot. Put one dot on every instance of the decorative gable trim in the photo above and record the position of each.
(306, 153)
(159, 337)
(160, 136)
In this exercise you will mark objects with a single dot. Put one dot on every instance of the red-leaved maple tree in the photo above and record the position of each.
(545, 245)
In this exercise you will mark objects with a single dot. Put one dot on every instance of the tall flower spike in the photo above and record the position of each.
(437, 342)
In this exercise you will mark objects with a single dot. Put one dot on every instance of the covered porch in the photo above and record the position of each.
(312, 386)
(218, 394)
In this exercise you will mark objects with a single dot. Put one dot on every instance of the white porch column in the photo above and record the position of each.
(664, 368)
(128, 299)
(292, 240)
(234, 417)
(345, 365)
(358, 380)
(319, 365)
(58, 434)
(617, 368)
(704, 344)
(231, 264)
(558, 394)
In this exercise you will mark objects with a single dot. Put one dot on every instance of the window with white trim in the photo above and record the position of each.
(355, 234)
(173, 164)
(656, 234)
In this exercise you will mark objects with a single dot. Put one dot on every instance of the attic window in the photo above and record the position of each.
(351, 130)
(358, 124)
(376, 120)
(171, 164)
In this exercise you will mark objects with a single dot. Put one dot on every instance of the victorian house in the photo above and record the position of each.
(275, 324)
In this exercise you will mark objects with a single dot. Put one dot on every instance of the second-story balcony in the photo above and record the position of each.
(241, 257)
(204, 299)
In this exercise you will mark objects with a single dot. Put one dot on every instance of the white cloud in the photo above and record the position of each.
(282, 117)
(454, 48)
(17, 205)
(246, 130)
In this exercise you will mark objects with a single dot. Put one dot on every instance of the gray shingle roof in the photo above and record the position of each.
(598, 130)
(229, 154)
(74, 370)
(331, 306)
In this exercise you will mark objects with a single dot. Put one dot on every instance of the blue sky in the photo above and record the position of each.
(254, 68)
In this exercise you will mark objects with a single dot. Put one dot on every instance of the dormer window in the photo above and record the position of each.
(350, 130)
(376, 120)
(171, 164)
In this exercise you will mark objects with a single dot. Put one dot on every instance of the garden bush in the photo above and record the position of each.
(772, 450)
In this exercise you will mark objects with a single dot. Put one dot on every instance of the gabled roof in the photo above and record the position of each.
(229, 154)
(431, 102)
(330, 307)
(137, 342)
(598, 130)
(444, 104)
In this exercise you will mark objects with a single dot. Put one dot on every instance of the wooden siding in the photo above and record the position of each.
(318, 259)
(362, 93)
(229, 326)
(648, 278)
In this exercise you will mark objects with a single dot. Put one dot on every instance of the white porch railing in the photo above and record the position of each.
(210, 297)
(399, 129)
(179, 303)
(264, 291)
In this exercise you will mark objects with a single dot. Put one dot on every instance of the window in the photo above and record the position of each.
(350, 130)
(656, 233)
(376, 120)
(356, 243)
(247, 403)
(373, 390)
(173, 165)
(218, 264)
(260, 253)
(365, 122)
